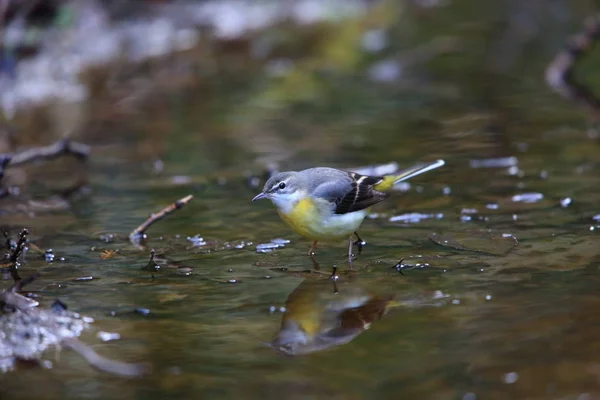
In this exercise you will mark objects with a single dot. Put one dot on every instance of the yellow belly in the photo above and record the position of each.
(316, 223)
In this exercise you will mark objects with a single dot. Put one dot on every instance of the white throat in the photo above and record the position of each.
(285, 202)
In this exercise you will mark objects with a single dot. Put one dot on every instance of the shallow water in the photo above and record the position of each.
(499, 293)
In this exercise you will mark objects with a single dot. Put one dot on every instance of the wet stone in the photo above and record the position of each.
(26, 335)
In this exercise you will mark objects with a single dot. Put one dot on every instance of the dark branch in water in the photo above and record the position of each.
(152, 266)
(560, 73)
(14, 259)
(139, 232)
(62, 147)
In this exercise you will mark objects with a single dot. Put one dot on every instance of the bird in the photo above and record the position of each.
(326, 204)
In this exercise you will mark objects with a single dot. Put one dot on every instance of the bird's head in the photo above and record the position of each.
(283, 189)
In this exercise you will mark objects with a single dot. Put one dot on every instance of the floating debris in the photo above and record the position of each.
(438, 294)
(415, 217)
(527, 197)
(273, 244)
(565, 202)
(108, 336)
(142, 311)
(502, 162)
(83, 278)
(48, 256)
(511, 378)
(196, 240)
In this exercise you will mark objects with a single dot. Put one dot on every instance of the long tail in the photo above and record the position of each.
(408, 173)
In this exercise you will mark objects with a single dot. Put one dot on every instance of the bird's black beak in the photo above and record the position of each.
(260, 196)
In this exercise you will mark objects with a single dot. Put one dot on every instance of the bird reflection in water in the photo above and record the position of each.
(320, 315)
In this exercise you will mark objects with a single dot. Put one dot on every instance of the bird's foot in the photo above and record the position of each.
(359, 245)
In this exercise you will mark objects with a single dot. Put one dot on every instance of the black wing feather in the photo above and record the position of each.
(362, 194)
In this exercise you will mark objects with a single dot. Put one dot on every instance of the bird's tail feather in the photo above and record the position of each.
(408, 173)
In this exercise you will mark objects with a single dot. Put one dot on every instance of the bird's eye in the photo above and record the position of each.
(281, 185)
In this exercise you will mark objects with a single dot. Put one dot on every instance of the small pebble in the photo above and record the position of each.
(142, 311)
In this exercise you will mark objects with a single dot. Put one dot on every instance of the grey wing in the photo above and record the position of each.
(333, 191)
(353, 193)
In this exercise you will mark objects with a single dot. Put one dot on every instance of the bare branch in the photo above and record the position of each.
(62, 147)
(138, 233)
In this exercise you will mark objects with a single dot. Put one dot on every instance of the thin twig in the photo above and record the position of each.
(14, 258)
(560, 73)
(152, 266)
(139, 233)
(62, 147)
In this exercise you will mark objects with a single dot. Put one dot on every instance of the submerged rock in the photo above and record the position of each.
(26, 335)
(27, 332)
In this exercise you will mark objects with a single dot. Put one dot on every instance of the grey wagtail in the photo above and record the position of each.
(328, 204)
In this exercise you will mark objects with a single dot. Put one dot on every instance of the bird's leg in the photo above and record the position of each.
(311, 251)
(334, 278)
(350, 243)
(359, 243)
(333, 273)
